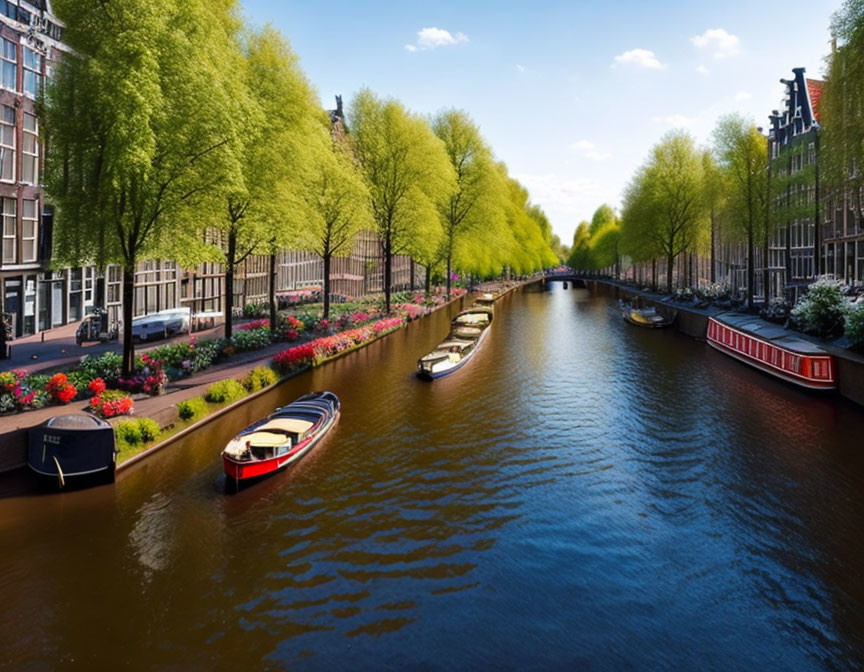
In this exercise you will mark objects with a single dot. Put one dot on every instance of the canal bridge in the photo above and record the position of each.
(566, 275)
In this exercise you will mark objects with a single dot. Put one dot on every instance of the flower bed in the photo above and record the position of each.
(315, 352)
(353, 323)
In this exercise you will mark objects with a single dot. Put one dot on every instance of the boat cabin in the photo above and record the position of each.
(275, 437)
(772, 348)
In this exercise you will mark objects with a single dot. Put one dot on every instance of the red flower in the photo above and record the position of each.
(67, 393)
(97, 386)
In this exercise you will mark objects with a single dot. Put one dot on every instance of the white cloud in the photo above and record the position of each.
(520, 68)
(566, 195)
(702, 70)
(640, 58)
(741, 96)
(589, 150)
(675, 120)
(432, 38)
(716, 40)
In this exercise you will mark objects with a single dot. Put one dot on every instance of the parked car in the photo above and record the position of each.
(163, 324)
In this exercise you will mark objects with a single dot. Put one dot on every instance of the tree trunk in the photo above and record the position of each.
(449, 266)
(654, 274)
(326, 257)
(388, 273)
(128, 312)
(411, 281)
(670, 269)
(751, 271)
(428, 280)
(713, 272)
(229, 283)
(272, 291)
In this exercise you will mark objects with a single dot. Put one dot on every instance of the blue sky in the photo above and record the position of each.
(571, 95)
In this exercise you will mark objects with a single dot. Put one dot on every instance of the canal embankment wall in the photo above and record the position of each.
(694, 323)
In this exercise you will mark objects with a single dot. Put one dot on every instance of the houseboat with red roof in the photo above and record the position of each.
(773, 350)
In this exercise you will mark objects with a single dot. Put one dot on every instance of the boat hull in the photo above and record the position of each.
(65, 456)
(748, 343)
(248, 471)
(432, 375)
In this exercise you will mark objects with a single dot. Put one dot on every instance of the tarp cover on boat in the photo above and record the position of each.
(80, 444)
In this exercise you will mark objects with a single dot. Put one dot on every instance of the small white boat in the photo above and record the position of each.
(468, 331)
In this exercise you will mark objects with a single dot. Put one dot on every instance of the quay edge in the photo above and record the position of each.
(694, 323)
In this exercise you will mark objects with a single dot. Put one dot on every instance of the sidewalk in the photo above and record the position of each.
(60, 349)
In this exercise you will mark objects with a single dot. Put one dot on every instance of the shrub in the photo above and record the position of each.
(107, 367)
(149, 429)
(192, 409)
(822, 309)
(133, 433)
(259, 378)
(252, 339)
(854, 327)
(225, 391)
(128, 433)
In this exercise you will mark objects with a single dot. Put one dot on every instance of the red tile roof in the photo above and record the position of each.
(814, 88)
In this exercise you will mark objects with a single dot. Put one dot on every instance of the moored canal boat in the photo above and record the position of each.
(72, 449)
(486, 299)
(649, 318)
(283, 437)
(468, 331)
(773, 350)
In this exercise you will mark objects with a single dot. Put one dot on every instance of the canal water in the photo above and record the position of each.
(583, 495)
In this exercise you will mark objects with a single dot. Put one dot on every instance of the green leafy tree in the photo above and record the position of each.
(479, 189)
(664, 207)
(603, 216)
(580, 253)
(716, 194)
(842, 102)
(139, 121)
(284, 136)
(337, 206)
(407, 172)
(605, 247)
(742, 153)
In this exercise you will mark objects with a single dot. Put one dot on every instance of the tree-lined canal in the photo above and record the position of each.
(583, 495)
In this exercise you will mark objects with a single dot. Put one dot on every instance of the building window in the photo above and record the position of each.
(29, 230)
(9, 75)
(30, 150)
(10, 221)
(7, 144)
(32, 72)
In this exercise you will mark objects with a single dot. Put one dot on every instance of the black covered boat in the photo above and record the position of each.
(78, 447)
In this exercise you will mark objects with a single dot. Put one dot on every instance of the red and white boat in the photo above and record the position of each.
(283, 437)
(772, 350)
